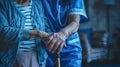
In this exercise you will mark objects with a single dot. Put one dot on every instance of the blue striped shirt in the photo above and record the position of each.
(26, 11)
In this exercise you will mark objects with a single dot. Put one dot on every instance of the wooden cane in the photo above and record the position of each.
(57, 60)
(57, 55)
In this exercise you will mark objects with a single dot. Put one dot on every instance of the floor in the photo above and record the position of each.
(103, 63)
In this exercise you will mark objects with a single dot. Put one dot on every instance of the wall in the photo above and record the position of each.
(96, 12)
(97, 15)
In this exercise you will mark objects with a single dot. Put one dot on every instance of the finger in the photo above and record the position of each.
(55, 46)
(49, 40)
(51, 44)
(55, 35)
(59, 48)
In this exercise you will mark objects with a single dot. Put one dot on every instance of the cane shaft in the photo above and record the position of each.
(58, 61)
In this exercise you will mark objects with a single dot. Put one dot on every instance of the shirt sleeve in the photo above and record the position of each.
(10, 34)
(77, 7)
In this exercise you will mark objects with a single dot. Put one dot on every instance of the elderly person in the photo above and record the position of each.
(22, 26)
(64, 17)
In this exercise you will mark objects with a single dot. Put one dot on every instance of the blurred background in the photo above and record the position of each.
(100, 35)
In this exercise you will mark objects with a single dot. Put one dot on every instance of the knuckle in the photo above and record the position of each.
(62, 41)
(54, 34)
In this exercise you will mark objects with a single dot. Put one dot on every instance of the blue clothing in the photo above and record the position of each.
(12, 31)
(57, 12)
(26, 45)
(70, 56)
(71, 7)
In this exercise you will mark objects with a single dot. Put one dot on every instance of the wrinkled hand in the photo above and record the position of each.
(56, 42)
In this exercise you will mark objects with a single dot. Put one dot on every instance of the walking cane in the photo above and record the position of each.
(58, 60)
(57, 55)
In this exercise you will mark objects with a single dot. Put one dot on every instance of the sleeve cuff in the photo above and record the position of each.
(77, 11)
(81, 12)
(24, 34)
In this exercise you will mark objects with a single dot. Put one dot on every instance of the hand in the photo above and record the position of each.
(43, 35)
(56, 42)
(39, 34)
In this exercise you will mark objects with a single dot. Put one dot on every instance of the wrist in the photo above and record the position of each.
(63, 34)
(38, 34)
(34, 33)
(42, 34)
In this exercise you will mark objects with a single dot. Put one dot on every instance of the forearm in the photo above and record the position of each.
(57, 40)
(38, 34)
(73, 25)
(70, 29)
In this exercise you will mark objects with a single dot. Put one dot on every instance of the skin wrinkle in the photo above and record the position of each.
(55, 41)
(61, 36)
(73, 25)
(33, 34)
